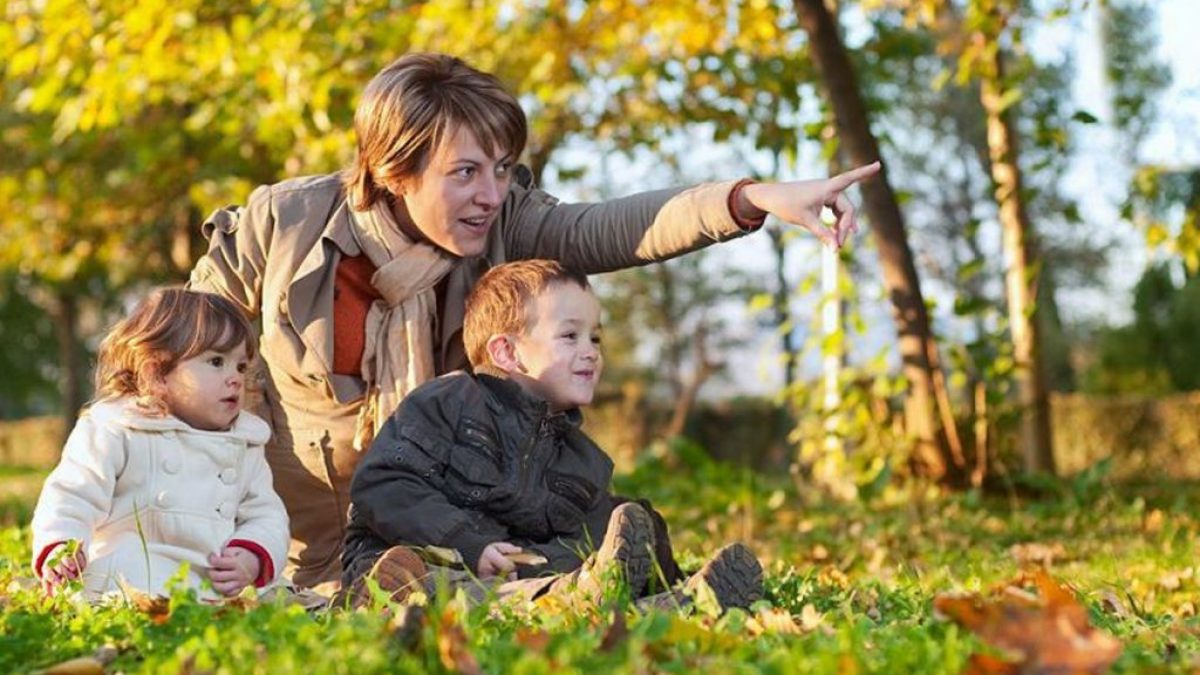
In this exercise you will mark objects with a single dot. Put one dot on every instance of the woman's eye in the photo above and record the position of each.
(502, 170)
(465, 172)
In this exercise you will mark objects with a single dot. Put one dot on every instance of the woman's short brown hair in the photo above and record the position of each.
(170, 325)
(501, 301)
(414, 103)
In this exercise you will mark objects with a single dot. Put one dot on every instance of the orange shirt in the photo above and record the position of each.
(353, 295)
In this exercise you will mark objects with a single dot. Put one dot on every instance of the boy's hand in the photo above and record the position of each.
(234, 569)
(64, 562)
(493, 563)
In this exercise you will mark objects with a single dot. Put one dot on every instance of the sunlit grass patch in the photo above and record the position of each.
(849, 587)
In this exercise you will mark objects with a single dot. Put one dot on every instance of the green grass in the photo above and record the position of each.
(859, 577)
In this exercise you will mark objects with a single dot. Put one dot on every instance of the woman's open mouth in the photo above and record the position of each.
(478, 225)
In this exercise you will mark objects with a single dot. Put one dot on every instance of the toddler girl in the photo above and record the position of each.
(164, 467)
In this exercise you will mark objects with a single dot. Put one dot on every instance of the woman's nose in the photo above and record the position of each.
(491, 191)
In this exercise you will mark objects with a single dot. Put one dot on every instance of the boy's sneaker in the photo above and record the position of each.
(733, 575)
(399, 572)
(627, 548)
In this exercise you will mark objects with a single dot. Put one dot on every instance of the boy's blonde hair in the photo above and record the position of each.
(411, 106)
(170, 325)
(501, 302)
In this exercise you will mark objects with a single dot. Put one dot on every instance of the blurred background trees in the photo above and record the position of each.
(123, 123)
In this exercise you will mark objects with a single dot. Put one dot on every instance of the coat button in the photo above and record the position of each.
(171, 465)
(227, 509)
(163, 499)
(228, 475)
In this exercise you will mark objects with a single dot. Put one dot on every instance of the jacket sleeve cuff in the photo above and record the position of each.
(266, 568)
(746, 224)
(469, 544)
(45, 553)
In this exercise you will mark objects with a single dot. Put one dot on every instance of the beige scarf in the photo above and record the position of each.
(398, 353)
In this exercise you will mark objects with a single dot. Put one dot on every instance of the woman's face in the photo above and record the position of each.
(456, 198)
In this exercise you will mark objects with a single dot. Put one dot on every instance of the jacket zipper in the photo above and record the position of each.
(483, 443)
(525, 455)
(568, 488)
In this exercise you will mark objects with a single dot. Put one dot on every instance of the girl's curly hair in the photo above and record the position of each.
(170, 325)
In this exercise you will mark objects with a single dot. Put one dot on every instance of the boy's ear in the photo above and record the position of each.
(503, 353)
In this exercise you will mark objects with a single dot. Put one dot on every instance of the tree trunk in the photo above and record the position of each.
(933, 456)
(782, 309)
(688, 391)
(64, 310)
(1022, 273)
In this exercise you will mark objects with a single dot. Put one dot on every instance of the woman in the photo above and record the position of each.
(359, 278)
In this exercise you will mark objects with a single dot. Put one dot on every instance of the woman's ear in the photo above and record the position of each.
(502, 351)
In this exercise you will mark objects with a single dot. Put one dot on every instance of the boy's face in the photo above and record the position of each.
(559, 352)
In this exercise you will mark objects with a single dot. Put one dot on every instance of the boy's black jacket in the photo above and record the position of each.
(467, 460)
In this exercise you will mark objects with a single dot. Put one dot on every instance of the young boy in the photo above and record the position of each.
(494, 467)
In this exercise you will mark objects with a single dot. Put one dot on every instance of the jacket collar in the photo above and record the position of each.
(124, 412)
(513, 396)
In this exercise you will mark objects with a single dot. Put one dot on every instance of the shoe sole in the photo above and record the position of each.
(398, 571)
(629, 539)
(735, 577)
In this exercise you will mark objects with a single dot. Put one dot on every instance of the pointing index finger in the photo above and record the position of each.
(844, 180)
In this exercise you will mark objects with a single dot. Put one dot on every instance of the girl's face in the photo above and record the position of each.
(205, 391)
(456, 198)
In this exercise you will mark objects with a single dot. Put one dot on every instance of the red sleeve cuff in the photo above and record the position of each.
(41, 559)
(747, 224)
(266, 568)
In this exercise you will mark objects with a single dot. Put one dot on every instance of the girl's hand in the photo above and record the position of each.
(493, 563)
(234, 569)
(64, 563)
(801, 202)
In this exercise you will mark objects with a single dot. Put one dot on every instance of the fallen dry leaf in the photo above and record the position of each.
(86, 665)
(773, 621)
(1040, 635)
(533, 640)
(452, 645)
(1173, 581)
(984, 664)
(616, 633)
(810, 618)
(526, 558)
(406, 624)
(1034, 553)
(832, 576)
(1153, 522)
(157, 607)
